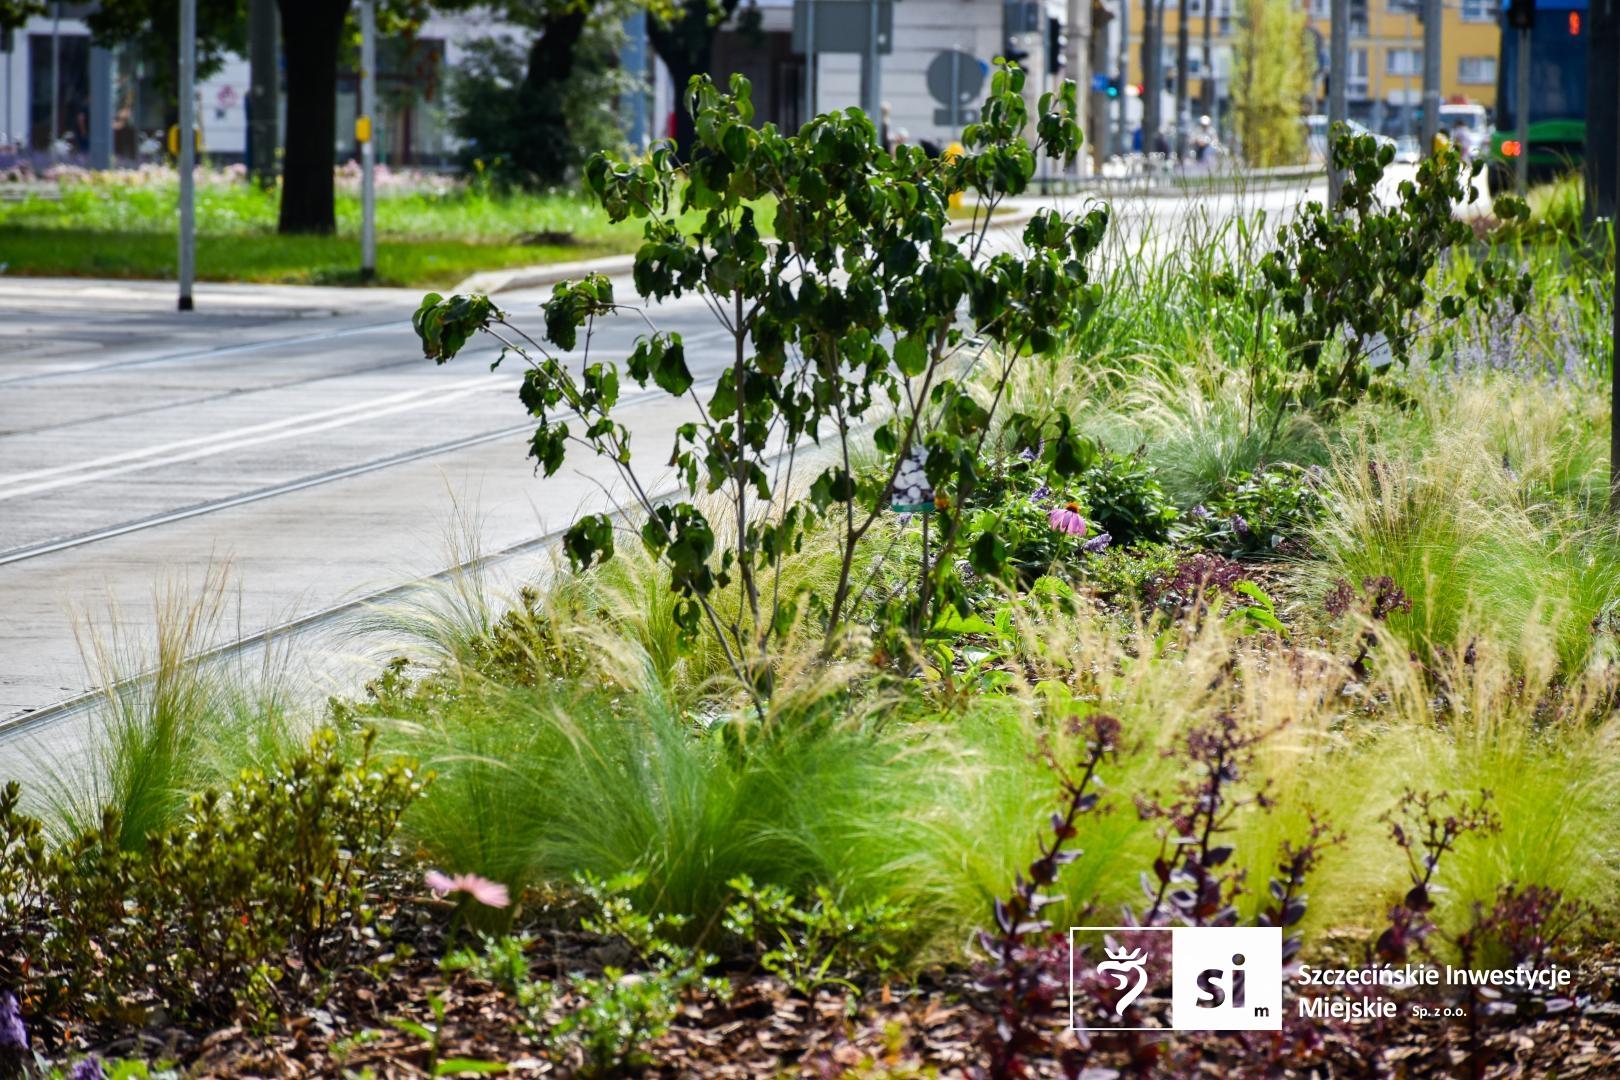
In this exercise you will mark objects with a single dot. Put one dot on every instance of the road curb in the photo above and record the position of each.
(490, 282)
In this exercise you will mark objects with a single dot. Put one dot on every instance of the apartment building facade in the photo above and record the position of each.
(1384, 84)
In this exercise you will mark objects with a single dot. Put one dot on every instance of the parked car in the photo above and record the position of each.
(1406, 150)
(1316, 130)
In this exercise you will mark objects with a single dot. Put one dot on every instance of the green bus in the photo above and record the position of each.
(1558, 61)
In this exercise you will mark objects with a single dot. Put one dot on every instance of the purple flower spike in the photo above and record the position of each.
(1067, 519)
(88, 1069)
(13, 1035)
(1200, 513)
(1099, 543)
(1040, 494)
(1240, 526)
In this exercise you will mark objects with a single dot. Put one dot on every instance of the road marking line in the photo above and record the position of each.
(213, 448)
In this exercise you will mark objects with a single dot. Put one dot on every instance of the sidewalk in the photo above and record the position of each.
(490, 282)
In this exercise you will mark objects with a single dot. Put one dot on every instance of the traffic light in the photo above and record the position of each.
(1113, 88)
(1521, 14)
(1056, 44)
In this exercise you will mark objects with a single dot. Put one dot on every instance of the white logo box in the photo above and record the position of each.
(1220, 978)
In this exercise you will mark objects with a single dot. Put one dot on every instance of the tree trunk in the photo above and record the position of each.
(311, 32)
(537, 142)
(551, 57)
(686, 46)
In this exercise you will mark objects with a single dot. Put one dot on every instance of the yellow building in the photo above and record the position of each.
(1385, 84)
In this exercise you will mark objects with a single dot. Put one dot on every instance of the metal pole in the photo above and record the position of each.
(1182, 72)
(364, 130)
(871, 80)
(188, 150)
(1206, 89)
(101, 104)
(11, 118)
(1614, 360)
(1338, 102)
(956, 93)
(809, 59)
(1431, 73)
(1521, 164)
(1122, 138)
(633, 59)
(1152, 73)
(56, 77)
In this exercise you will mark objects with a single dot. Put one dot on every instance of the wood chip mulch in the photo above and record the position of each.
(926, 1031)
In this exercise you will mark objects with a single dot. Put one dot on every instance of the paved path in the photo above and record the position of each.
(296, 437)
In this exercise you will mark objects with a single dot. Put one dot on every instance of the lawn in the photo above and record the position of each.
(428, 235)
(432, 232)
(1266, 584)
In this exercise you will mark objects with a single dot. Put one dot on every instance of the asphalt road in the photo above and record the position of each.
(295, 438)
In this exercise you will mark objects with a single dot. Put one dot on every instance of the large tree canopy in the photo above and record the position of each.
(13, 13)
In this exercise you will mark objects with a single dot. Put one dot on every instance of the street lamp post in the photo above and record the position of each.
(366, 136)
(1431, 74)
(188, 150)
(1338, 102)
(1521, 164)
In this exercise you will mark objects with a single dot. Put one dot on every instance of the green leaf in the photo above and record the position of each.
(911, 355)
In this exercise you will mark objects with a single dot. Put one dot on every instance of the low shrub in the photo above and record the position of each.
(1125, 500)
(199, 921)
(1260, 513)
(818, 943)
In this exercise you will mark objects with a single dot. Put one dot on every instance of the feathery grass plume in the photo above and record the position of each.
(168, 719)
(1487, 523)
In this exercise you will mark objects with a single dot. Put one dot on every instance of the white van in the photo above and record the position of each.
(1474, 121)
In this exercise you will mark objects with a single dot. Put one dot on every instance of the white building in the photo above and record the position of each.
(108, 93)
(411, 127)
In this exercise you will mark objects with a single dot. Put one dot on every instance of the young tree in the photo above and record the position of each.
(1271, 79)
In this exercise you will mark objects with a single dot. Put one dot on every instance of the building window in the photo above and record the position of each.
(1478, 11)
(1355, 85)
(1477, 70)
(1404, 61)
(1321, 9)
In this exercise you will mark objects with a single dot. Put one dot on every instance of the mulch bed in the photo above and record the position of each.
(927, 1030)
